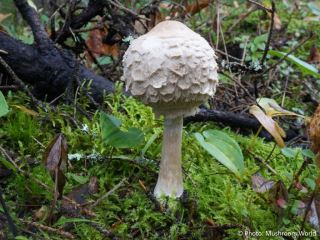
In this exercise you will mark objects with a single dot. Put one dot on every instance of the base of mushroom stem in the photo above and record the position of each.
(159, 193)
(170, 181)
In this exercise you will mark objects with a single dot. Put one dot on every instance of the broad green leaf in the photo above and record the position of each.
(227, 143)
(4, 109)
(113, 136)
(223, 148)
(269, 124)
(304, 66)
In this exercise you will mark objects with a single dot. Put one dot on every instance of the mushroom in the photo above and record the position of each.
(173, 70)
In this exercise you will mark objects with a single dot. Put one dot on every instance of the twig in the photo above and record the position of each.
(49, 229)
(26, 174)
(260, 5)
(11, 224)
(106, 195)
(127, 10)
(308, 207)
(290, 52)
(266, 49)
(3, 52)
(102, 230)
(252, 9)
(31, 17)
(263, 162)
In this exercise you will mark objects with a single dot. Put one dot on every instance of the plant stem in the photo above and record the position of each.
(170, 174)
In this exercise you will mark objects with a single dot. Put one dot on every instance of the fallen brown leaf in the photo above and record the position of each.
(269, 124)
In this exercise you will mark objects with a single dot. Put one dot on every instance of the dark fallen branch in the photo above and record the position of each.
(95, 7)
(51, 71)
(45, 66)
(235, 120)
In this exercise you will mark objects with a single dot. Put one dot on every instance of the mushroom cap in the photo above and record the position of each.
(171, 68)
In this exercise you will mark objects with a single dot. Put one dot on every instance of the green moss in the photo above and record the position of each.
(214, 193)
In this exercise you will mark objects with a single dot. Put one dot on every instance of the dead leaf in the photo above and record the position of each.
(197, 6)
(279, 196)
(26, 110)
(41, 214)
(300, 187)
(314, 134)
(56, 161)
(314, 56)
(141, 183)
(98, 48)
(4, 16)
(79, 195)
(261, 185)
(277, 24)
(269, 124)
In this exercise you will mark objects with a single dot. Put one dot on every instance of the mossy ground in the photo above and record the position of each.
(213, 194)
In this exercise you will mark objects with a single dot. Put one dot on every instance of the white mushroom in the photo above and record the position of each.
(173, 70)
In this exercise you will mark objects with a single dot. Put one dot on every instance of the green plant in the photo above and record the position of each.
(4, 108)
(223, 148)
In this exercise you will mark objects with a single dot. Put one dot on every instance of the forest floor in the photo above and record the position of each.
(108, 190)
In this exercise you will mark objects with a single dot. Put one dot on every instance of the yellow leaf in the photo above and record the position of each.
(269, 124)
(272, 108)
(26, 110)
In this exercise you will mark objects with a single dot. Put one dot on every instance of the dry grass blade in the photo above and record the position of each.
(269, 124)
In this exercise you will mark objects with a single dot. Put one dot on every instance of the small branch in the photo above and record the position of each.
(126, 10)
(49, 229)
(260, 6)
(266, 49)
(290, 52)
(108, 193)
(31, 17)
(11, 224)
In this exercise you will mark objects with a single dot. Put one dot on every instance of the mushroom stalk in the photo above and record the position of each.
(170, 174)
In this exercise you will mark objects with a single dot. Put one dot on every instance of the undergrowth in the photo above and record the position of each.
(213, 195)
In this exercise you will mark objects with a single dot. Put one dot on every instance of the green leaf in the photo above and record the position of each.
(8, 164)
(315, 8)
(113, 136)
(64, 220)
(223, 148)
(4, 109)
(308, 153)
(21, 238)
(148, 144)
(289, 152)
(105, 60)
(311, 183)
(305, 67)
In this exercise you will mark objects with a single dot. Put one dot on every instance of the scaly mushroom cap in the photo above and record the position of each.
(171, 63)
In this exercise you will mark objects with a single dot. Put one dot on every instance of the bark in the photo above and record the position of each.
(50, 70)
(239, 121)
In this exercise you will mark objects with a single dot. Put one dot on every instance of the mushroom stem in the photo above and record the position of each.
(170, 174)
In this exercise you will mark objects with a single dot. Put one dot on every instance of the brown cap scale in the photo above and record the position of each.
(173, 70)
